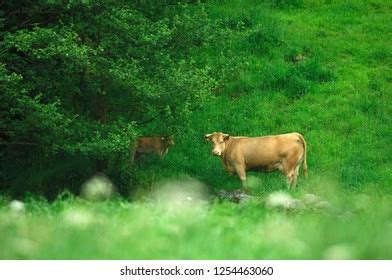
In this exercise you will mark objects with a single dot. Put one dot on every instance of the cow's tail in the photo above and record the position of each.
(304, 156)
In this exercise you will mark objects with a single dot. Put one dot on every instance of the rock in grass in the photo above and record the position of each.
(17, 206)
(237, 196)
(97, 188)
(298, 58)
(282, 200)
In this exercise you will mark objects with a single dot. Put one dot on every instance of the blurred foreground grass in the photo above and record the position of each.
(179, 222)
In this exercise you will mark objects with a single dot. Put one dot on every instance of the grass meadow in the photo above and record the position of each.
(338, 95)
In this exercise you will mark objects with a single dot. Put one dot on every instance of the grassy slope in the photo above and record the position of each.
(340, 101)
(338, 98)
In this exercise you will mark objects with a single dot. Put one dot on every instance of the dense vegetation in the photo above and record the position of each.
(81, 80)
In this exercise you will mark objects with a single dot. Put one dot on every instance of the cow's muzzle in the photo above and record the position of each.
(216, 153)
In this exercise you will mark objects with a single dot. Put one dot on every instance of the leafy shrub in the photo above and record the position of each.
(80, 86)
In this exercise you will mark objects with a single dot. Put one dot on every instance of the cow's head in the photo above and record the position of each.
(218, 140)
(168, 140)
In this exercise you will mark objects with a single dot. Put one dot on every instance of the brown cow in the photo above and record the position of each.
(147, 145)
(283, 152)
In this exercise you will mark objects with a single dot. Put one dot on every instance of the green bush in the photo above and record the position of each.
(75, 92)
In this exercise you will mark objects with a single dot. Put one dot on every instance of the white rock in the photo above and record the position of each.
(17, 206)
(97, 188)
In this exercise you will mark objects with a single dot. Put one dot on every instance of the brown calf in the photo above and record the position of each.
(147, 145)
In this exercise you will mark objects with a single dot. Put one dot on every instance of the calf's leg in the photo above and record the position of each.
(135, 156)
(163, 153)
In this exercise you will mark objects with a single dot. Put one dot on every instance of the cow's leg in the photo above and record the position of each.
(295, 170)
(290, 179)
(288, 171)
(290, 167)
(241, 172)
(295, 175)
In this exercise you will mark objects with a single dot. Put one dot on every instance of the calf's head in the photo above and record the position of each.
(218, 140)
(168, 140)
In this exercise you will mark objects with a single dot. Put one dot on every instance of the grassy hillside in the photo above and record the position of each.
(338, 97)
(321, 68)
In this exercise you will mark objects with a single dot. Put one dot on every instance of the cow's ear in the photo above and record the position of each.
(226, 137)
(208, 137)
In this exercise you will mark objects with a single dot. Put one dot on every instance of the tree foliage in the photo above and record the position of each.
(80, 79)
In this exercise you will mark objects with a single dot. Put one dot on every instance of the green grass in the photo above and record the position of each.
(339, 98)
(358, 227)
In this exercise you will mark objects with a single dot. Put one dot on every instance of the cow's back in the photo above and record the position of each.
(262, 152)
